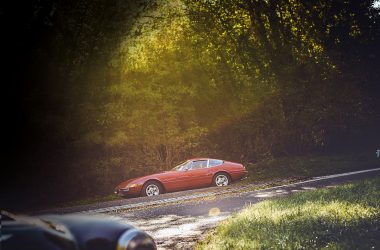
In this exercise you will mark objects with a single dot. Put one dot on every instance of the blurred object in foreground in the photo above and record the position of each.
(70, 232)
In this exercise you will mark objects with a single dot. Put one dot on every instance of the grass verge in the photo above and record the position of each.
(92, 200)
(345, 217)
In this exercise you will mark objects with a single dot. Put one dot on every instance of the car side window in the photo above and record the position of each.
(213, 163)
(199, 164)
(186, 166)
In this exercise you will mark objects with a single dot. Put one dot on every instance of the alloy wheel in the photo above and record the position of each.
(221, 180)
(152, 189)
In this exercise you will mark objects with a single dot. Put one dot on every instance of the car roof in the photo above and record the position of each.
(201, 158)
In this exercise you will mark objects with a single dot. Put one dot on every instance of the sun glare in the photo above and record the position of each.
(376, 5)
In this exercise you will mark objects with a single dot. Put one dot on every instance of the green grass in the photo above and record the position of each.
(311, 166)
(345, 217)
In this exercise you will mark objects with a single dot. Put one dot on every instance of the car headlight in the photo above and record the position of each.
(132, 185)
(135, 240)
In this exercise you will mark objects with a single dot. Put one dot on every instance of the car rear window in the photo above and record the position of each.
(213, 163)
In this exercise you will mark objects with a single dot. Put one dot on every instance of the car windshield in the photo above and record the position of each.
(180, 167)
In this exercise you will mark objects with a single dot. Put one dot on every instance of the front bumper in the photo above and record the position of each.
(122, 191)
(129, 191)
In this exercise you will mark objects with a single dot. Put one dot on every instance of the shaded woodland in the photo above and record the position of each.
(99, 91)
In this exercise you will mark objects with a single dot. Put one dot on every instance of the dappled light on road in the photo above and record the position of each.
(168, 230)
(214, 211)
(273, 193)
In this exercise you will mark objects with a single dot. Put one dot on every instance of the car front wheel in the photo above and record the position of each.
(152, 188)
(221, 179)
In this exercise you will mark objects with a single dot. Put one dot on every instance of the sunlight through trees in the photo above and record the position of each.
(125, 88)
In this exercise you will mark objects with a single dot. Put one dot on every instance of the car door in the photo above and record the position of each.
(179, 179)
(198, 175)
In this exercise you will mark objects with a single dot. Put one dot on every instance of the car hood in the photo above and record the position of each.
(141, 180)
(25, 232)
(125, 183)
(103, 234)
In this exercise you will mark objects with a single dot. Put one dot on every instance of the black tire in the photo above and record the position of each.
(152, 188)
(221, 179)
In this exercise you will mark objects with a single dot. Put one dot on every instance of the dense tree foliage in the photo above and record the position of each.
(105, 90)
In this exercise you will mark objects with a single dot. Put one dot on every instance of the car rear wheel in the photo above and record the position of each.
(221, 179)
(152, 188)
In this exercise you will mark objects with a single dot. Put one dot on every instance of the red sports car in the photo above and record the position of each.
(194, 173)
